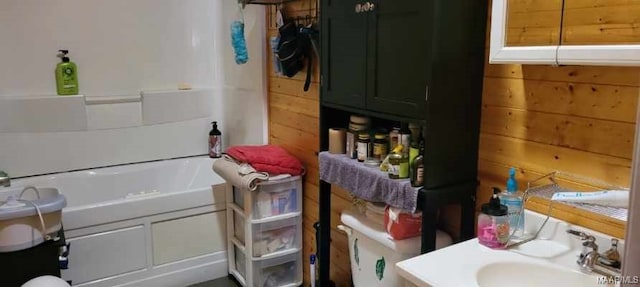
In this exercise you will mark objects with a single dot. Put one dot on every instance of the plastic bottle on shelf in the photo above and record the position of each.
(357, 124)
(380, 145)
(512, 198)
(493, 223)
(414, 149)
(66, 75)
(364, 146)
(398, 163)
(405, 138)
(394, 138)
(215, 141)
(417, 168)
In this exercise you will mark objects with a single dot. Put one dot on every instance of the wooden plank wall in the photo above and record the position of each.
(578, 120)
(293, 124)
(584, 22)
(533, 22)
(596, 22)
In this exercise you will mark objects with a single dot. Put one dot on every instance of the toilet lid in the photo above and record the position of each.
(46, 281)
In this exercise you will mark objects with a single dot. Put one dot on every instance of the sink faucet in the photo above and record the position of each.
(606, 264)
(5, 180)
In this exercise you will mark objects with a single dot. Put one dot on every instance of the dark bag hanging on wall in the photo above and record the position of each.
(291, 49)
(290, 53)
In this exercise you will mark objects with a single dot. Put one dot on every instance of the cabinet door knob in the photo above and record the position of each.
(366, 7)
(426, 93)
(359, 8)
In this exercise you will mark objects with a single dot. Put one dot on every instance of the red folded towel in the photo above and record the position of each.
(267, 158)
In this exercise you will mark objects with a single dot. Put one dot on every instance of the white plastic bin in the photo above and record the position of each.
(272, 198)
(271, 236)
(285, 270)
(373, 254)
(276, 198)
(275, 236)
(279, 271)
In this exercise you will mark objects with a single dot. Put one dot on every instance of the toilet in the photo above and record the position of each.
(46, 281)
(373, 254)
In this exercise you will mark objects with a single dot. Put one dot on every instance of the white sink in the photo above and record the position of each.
(508, 274)
(549, 260)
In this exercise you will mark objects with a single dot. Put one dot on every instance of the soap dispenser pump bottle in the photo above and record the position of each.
(215, 141)
(493, 223)
(66, 75)
(512, 198)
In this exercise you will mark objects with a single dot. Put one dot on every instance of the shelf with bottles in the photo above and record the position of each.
(449, 168)
(395, 147)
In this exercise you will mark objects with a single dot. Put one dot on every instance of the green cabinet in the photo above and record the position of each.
(344, 49)
(416, 61)
(411, 61)
(376, 55)
(399, 35)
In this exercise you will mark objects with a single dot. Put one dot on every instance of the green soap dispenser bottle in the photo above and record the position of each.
(66, 75)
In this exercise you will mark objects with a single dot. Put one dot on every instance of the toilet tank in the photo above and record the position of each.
(374, 254)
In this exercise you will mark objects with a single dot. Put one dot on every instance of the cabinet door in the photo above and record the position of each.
(399, 56)
(594, 22)
(344, 53)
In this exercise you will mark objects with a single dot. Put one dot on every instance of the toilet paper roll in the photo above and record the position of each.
(336, 140)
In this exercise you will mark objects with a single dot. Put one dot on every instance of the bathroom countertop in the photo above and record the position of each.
(461, 264)
(455, 265)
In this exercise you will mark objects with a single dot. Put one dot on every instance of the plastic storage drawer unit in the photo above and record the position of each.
(272, 198)
(264, 230)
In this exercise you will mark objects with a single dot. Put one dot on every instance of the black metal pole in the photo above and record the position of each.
(324, 238)
(429, 221)
(468, 215)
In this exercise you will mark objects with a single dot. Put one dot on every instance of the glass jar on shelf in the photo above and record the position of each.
(380, 145)
(398, 163)
(364, 146)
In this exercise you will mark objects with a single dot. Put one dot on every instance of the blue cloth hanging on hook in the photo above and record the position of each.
(238, 42)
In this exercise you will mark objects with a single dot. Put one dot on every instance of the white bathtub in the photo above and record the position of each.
(149, 224)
